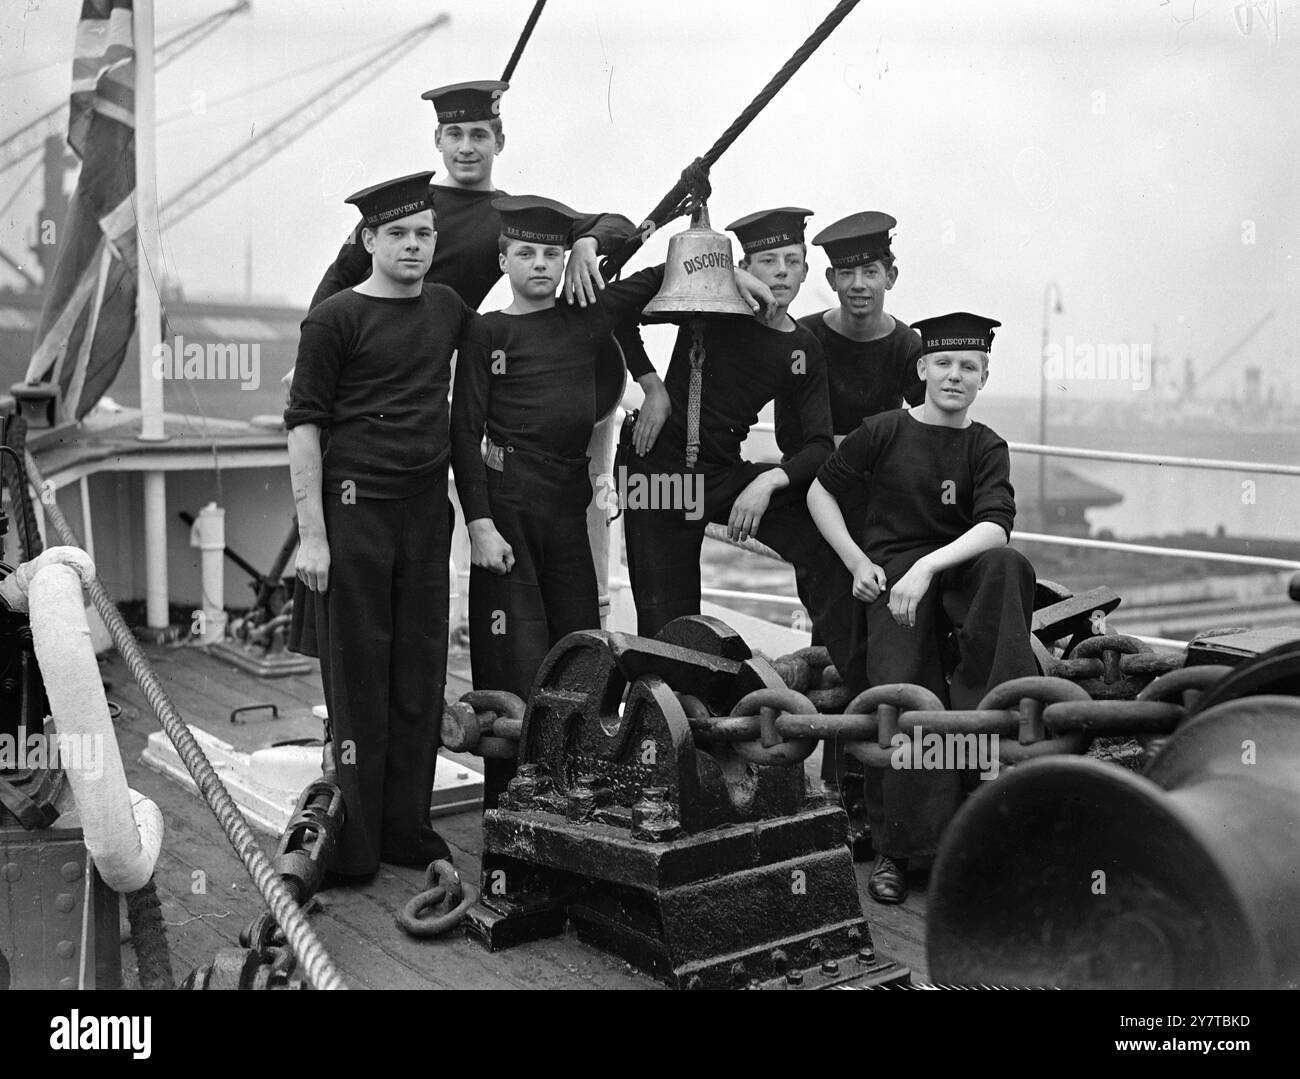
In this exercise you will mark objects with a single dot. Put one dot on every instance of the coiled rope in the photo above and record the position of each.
(311, 955)
(675, 202)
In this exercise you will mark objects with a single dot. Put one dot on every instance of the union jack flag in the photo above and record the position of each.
(89, 311)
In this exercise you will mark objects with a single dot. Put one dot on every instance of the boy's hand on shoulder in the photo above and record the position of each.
(907, 593)
(287, 383)
(582, 274)
(488, 549)
(868, 581)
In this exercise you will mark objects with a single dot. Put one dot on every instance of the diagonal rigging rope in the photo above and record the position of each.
(533, 16)
(673, 204)
(308, 950)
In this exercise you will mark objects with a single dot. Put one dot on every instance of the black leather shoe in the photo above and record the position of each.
(888, 880)
(431, 848)
(333, 880)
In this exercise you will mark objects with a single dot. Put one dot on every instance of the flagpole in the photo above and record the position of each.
(149, 324)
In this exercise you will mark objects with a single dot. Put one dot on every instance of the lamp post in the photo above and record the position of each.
(1042, 397)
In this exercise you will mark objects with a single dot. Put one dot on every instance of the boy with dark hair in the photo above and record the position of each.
(933, 558)
(870, 355)
(368, 451)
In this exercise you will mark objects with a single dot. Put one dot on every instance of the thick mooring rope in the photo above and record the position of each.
(149, 938)
(310, 953)
(673, 204)
(523, 40)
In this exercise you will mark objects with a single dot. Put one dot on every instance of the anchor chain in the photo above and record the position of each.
(1110, 687)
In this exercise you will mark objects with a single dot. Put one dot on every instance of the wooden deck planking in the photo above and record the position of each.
(357, 925)
(230, 687)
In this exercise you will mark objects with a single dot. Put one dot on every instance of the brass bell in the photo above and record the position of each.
(698, 276)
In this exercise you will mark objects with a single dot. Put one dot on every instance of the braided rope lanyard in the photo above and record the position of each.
(695, 393)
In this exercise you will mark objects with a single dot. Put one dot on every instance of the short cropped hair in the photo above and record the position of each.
(374, 229)
(886, 260)
(744, 259)
(494, 124)
(504, 242)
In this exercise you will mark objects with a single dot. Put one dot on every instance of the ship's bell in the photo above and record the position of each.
(698, 276)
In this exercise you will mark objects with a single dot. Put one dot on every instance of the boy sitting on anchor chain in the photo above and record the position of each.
(932, 560)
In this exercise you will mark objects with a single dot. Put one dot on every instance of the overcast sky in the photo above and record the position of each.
(1130, 150)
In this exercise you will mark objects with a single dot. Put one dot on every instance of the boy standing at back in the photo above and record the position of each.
(469, 136)
(870, 367)
(933, 557)
(870, 355)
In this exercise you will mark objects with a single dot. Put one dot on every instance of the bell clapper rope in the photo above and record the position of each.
(696, 386)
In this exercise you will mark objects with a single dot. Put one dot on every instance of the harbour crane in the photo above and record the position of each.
(1192, 384)
(290, 127)
(28, 139)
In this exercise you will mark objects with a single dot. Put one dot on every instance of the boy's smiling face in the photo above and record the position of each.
(953, 379)
(468, 151)
(861, 289)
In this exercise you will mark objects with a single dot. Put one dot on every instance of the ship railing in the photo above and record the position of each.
(607, 535)
(718, 533)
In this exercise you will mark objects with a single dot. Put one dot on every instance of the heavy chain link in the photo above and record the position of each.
(1112, 686)
(485, 722)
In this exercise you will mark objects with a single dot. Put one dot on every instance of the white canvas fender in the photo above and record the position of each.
(123, 830)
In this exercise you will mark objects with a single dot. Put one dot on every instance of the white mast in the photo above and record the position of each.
(148, 328)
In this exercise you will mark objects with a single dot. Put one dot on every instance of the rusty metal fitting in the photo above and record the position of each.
(460, 728)
(1150, 664)
(653, 818)
(885, 703)
(584, 797)
(770, 748)
(1027, 697)
(1111, 719)
(835, 699)
(795, 672)
(442, 888)
(1183, 686)
(528, 783)
(845, 728)
(486, 722)
(309, 838)
(1076, 669)
(1109, 648)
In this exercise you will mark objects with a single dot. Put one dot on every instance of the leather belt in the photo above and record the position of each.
(494, 456)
